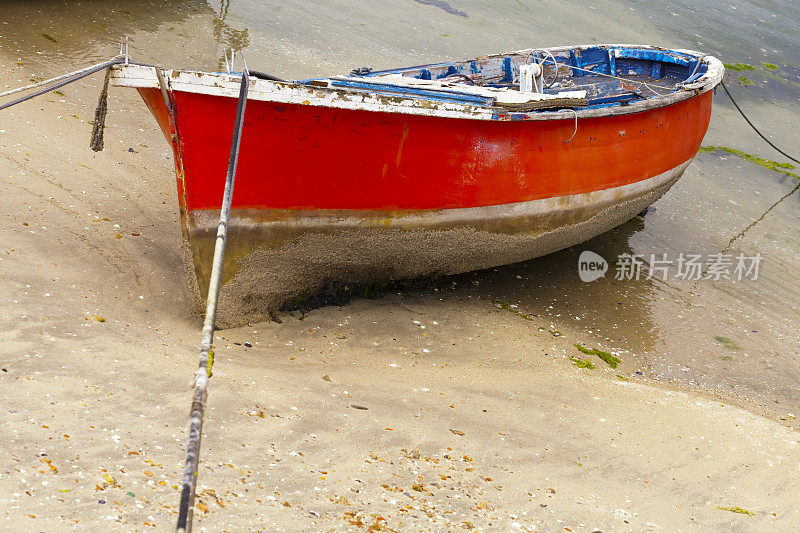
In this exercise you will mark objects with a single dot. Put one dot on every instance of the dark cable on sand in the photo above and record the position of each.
(739, 109)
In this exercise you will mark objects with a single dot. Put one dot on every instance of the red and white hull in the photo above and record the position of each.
(334, 187)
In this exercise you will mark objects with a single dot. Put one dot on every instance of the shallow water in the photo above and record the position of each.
(739, 338)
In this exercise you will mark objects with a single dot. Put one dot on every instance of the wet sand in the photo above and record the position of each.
(440, 408)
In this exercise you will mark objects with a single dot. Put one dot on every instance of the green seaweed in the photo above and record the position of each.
(49, 38)
(738, 67)
(770, 66)
(622, 378)
(507, 307)
(736, 509)
(769, 164)
(727, 358)
(609, 359)
(727, 343)
(745, 81)
(582, 363)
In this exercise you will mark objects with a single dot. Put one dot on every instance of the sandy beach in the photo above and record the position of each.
(441, 408)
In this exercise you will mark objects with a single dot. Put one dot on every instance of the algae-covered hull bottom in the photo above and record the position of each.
(361, 183)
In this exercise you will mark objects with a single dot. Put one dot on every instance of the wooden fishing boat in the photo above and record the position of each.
(427, 170)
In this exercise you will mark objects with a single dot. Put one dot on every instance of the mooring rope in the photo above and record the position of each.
(203, 372)
(91, 69)
(57, 82)
(70, 78)
(739, 109)
(96, 143)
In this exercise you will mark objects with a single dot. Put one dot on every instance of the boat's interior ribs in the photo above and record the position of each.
(609, 76)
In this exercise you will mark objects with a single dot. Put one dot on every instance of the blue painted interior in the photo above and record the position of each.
(663, 69)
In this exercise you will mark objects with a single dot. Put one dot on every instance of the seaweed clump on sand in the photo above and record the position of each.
(582, 363)
(769, 164)
(609, 359)
(736, 509)
(511, 308)
(738, 67)
(727, 343)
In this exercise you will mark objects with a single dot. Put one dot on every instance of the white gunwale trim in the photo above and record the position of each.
(227, 85)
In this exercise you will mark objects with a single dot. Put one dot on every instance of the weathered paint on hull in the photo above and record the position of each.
(325, 195)
(274, 256)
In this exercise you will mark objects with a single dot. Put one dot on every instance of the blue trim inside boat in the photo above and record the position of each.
(590, 69)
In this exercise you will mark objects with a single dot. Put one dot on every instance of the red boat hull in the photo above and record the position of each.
(296, 156)
(326, 195)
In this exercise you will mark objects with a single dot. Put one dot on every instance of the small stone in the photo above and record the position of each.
(417, 487)
(326, 377)
(359, 407)
(415, 454)
(373, 455)
(248, 345)
(467, 524)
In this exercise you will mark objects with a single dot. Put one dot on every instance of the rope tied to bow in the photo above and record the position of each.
(96, 143)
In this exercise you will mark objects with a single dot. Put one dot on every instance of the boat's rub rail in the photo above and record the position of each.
(227, 85)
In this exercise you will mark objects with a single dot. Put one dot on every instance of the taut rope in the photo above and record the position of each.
(203, 372)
